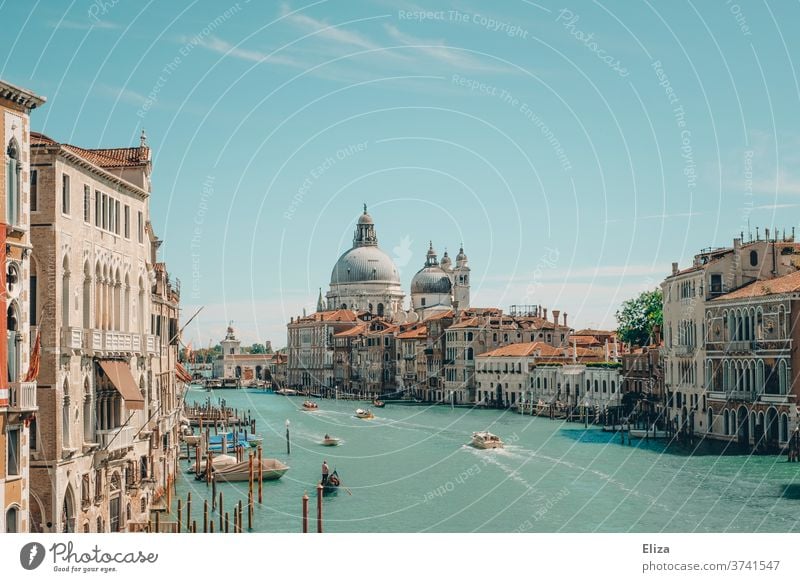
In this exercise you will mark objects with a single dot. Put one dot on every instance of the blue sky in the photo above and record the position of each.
(576, 149)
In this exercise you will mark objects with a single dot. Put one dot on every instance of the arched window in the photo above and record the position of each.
(380, 309)
(726, 423)
(12, 519)
(784, 434)
(13, 172)
(88, 413)
(753, 258)
(605, 387)
(87, 296)
(710, 420)
(65, 291)
(470, 354)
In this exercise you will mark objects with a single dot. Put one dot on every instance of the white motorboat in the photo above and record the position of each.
(330, 441)
(486, 440)
(362, 413)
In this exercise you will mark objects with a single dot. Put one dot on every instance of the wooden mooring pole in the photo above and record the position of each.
(319, 508)
(221, 506)
(305, 512)
(205, 516)
(188, 511)
(260, 473)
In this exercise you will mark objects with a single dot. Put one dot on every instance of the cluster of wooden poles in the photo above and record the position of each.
(218, 501)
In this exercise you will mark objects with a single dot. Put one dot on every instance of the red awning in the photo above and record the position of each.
(120, 375)
(181, 373)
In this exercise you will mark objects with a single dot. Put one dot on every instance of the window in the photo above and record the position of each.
(65, 193)
(140, 227)
(34, 190)
(13, 466)
(116, 216)
(112, 225)
(12, 520)
(85, 497)
(87, 203)
(98, 211)
(104, 211)
(13, 169)
(753, 258)
(716, 283)
(127, 221)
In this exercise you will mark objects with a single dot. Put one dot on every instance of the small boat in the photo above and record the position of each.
(486, 440)
(330, 441)
(217, 462)
(308, 405)
(271, 469)
(361, 413)
(331, 484)
(378, 403)
(255, 440)
(286, 392)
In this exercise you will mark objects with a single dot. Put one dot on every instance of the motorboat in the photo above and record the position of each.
(486, 440)
(362, 413)
(308, 405)
(286, 392)
(378, 403)
(217, 462)
(330, 441)
(271, 469)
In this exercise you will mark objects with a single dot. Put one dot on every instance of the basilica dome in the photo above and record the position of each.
(364, 264)
(431, 278)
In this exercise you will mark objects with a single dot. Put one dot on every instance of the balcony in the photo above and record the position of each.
(683, 350)
(100, 342)
(116, 438)
(71, 338)
(22, 396)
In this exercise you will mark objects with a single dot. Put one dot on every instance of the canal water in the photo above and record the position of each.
(410, 469)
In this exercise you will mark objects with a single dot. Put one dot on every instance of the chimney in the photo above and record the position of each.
(766, 234)
(556, 313)
(565, 320)
(674, 268)
(545, 313)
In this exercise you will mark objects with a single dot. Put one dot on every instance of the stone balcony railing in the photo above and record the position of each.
(71, 338)
(107, 342)
(22, 396)
(116, 438)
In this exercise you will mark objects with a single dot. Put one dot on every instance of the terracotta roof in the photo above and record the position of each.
(355, 330)
(589, 331)
(470, 322)
(337, 315)
(265, 357)
(585, 340)
(101, 157)
(524, 349)
(442, 315)
(787, 284)
(420, 332)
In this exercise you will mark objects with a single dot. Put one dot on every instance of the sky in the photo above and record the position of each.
(576, 149)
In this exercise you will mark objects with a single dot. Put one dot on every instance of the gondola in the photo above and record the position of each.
(331, 484)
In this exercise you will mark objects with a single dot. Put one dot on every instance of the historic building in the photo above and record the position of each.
(536, 373)
(643, 384)
(107, 316)
(687, 293)
(18, 392)
(234, 363)
(438, 287)
(750, 363)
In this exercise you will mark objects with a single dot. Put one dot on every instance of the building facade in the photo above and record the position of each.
(687, 293)
(106, 429)
(18, 387)
(750, 365)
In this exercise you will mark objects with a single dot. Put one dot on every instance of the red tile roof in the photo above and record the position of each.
(524, 349)
(101, 157)
(420, 332)
(787, 284)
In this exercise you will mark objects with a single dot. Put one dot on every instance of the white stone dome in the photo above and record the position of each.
(364, 264)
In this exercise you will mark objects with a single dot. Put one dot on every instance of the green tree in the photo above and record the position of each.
(258, 349)
(637, 317)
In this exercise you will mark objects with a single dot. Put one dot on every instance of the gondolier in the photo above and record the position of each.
(325, 471)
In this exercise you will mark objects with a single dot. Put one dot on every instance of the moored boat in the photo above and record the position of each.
(486, 440)
(362, 413)
(271, 469)
(217, 462)
(309, 405)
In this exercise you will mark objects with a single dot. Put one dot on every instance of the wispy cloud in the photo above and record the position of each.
(223, 47)
(664, 216)
(438, 50)
(327, 31)
(82, 25)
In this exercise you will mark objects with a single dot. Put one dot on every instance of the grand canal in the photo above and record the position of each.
(409, 469)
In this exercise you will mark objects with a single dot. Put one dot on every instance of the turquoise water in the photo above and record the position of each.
(409, 469)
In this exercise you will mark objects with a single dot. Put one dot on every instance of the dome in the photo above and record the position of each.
(364, 264)
(446, 263)
(461, 256)
(432, 279)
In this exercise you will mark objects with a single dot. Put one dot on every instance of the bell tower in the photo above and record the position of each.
(461, 280)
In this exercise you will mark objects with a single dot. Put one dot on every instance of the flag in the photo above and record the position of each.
(33, 367)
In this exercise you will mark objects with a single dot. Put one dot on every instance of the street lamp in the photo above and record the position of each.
(288, 448)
